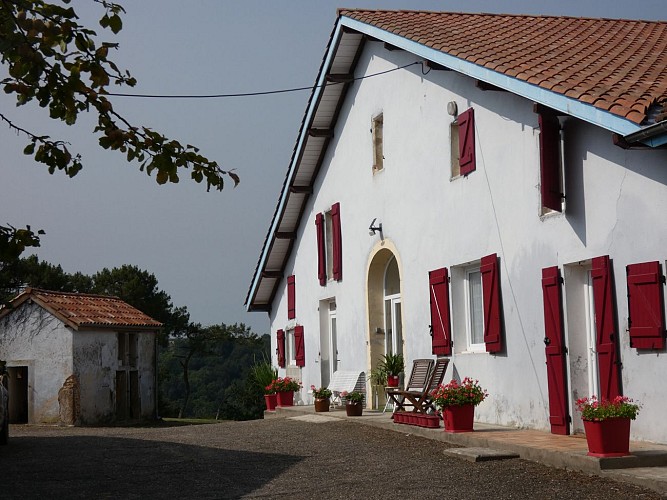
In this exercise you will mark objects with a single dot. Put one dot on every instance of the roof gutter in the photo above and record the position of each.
(654, 135)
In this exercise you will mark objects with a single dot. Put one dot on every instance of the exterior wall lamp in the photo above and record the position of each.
(372, 229)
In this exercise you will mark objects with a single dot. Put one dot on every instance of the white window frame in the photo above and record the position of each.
(470, 345)
(328, 244)
(546, 211)
(455, 154)
(290, 348)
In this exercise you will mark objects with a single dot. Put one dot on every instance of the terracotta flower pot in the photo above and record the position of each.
(458, 418)
(608, 438)
(271, 400)
(353, 409)
(392, 380)
(286, 398)
(321, 404)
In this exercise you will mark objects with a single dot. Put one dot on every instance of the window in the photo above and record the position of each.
(280, 348)
(454, 149)
(329, 245)
(551, 163)
(291, 297)
(295, 353)
(291, 348)
(328, 239)
(476, 306)
(474, 309)
(378, 156)
(127, 349)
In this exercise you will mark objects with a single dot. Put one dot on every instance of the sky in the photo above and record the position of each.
(202, 247)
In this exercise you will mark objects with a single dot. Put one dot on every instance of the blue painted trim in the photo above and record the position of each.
(658, 140)
(321, 80)
(554, 100)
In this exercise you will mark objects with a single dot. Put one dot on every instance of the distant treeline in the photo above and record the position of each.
(203, 370)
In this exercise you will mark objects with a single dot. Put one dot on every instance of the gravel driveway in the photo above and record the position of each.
(274, 458)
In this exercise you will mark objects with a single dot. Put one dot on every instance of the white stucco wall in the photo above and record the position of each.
(96, 363)
(616, 201)
(34, 338)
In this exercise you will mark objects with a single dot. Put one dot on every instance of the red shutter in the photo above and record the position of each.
(550, 162)
(321, 250)
(605, 328)
(646, 313)
(291, 298)
(466, 122)
(554, 341)
(441, 335)
(491, 294)
(281, 348)
(300, 353)
(337, 243)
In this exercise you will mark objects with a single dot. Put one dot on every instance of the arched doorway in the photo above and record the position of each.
(385, 315)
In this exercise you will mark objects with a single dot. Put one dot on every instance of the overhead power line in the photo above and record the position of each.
(249, 94)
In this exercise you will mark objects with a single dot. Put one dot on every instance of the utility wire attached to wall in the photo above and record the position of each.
(267, 92)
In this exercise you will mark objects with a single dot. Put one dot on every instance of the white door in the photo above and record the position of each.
(328, 345)
(582, 361)
(393, 339)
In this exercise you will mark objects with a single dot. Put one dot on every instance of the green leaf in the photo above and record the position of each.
(162, 177)
(29, 149)
(115, 23)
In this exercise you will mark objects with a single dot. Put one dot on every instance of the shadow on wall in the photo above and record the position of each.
(87, 466)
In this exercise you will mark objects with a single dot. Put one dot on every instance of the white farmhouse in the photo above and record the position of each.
(491, 188)
(77, 358)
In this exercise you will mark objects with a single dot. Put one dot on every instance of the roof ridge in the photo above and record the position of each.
(29, 290)
(493, 14)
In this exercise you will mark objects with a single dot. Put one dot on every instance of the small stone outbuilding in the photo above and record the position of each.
(77, 358)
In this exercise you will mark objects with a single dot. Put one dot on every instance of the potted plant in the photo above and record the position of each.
(321, 396)
(458, 401)
(264, 374)
(270, 396)
(353, 403)
(285, 388)
(607, 424)
(393, 365)
(378, 379)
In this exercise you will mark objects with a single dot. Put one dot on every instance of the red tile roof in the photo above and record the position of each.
(82, 310)
(616, 65)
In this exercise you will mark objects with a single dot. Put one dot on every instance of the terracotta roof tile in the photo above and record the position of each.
(83, 310)
(618, 65)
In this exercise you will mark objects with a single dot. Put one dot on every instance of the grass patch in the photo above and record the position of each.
(190, 421)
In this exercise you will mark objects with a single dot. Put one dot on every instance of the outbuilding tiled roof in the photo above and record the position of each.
(82, 310)
(616, 65)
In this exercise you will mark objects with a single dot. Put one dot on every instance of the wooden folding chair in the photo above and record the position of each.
(421, 401)
(418, 381)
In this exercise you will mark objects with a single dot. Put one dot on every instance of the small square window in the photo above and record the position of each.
(378, 155)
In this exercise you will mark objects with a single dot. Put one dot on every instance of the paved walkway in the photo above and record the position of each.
(647, 465)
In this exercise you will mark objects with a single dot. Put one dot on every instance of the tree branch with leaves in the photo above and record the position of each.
(53, 59)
